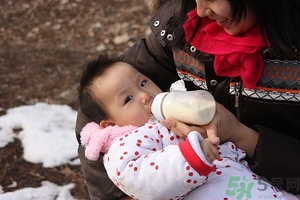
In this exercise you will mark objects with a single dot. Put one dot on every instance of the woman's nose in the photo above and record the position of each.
(203, 11)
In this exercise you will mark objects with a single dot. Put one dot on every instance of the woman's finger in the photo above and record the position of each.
(176, 126)
(181, 129)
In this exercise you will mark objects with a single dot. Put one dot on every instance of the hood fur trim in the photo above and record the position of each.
(153, 5)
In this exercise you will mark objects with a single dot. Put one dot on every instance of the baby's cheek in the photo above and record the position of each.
(140, 120)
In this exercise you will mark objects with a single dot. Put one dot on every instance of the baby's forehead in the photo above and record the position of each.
(116, 75)
(123, 68)
(124, 65)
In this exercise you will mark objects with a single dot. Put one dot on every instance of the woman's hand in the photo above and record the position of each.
(224, 125)
(227, 127)
(208, 145)
(181, 129)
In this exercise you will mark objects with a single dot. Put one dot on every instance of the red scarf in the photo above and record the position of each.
(234, 55)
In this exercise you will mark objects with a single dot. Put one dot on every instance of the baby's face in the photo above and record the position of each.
(127, 94)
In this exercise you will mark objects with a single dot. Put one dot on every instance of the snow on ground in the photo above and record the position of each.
(47, 136)
(48, 191)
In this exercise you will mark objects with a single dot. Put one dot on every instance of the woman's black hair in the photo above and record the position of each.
(279, 19)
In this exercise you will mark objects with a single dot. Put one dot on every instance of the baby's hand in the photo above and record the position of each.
(210, 148)
(181, 129)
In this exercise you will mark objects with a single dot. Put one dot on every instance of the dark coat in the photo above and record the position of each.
(272, 109)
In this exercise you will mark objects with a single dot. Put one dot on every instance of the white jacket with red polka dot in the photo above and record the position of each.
(148, 162)
(153, 163)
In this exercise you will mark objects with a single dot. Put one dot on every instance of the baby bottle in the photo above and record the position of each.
(192, 107)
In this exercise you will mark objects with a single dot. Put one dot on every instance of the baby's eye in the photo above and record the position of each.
(128, 99)
(143, 83)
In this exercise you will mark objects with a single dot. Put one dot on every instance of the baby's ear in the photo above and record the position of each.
(106, 123)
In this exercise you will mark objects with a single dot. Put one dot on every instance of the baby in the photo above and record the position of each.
(145, 159)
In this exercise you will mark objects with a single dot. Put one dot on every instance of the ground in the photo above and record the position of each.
(44, 46)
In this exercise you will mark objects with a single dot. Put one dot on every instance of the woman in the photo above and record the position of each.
(259, 84)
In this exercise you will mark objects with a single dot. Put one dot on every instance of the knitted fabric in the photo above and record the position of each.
(96, 139)
(234, 55)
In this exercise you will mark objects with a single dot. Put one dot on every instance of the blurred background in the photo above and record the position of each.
(44, 46)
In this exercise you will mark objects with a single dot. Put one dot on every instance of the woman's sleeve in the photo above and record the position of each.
(272, 146)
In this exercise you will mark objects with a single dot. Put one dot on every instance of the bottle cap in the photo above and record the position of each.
(156, 108)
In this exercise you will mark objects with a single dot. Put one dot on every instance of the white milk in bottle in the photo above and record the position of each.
(193, 107)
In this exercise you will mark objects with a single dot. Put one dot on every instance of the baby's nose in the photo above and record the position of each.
(145, 99)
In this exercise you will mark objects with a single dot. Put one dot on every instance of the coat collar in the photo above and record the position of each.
(154, 5)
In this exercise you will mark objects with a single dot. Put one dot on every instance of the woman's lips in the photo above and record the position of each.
(223, 22)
